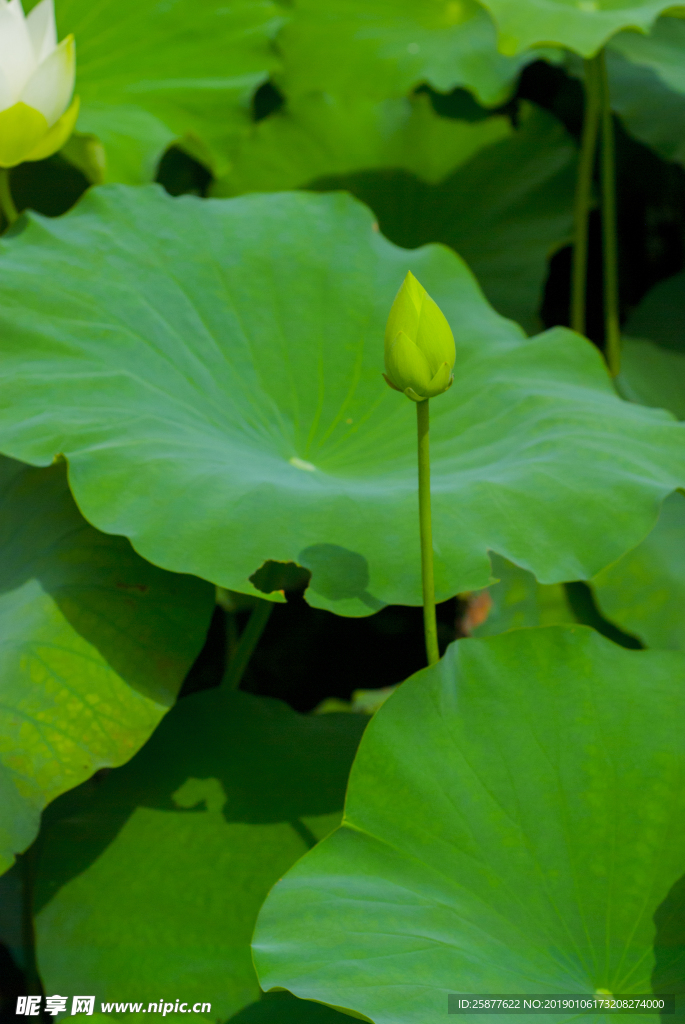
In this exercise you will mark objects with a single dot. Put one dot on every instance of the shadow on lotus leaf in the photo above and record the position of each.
(668, 976)
(285, 1008)
(250, 759)
(339, 574)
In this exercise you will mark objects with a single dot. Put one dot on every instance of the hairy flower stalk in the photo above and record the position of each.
(419, 358)
(37, 113)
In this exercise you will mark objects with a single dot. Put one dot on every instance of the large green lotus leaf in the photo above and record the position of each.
(318, 135)
(580, 25)
(505, 211)
(653, 375)
(148, 74)
(149, 883)
(211, 371)
(519, 600)
(383, 48)
(95, 643)
(644, 592)
(512, 824)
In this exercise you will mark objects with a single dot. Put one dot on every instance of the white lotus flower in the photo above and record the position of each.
(36, 83)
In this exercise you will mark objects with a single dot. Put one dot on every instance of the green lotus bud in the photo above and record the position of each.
(419, 345)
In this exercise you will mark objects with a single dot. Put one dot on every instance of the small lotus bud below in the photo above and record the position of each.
(419, 345)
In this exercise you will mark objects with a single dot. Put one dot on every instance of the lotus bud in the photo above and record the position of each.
(419, 345)
(36, 84)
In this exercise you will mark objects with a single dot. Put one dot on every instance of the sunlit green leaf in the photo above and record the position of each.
(580, 25)
(319, 135)
(512, 824)
(212, 372)
(149, 881)
(148, 74)
(383, 48)
(95, 643)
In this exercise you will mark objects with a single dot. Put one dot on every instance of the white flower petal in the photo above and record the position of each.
(42, 29)
(50, 87)
(17, 60)
(6, 97)
(16, 8)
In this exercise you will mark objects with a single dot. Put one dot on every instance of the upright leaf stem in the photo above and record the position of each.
(249, 638)
(612, 331)
(9, 210)
(430, 626)
(583, 197)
